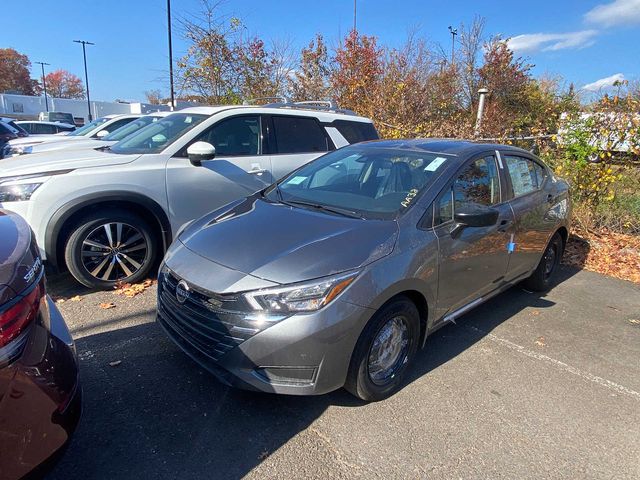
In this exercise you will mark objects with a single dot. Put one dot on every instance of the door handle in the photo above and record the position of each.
(504, 225)
(258, 171)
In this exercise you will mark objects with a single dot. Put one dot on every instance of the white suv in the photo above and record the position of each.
(107, 214)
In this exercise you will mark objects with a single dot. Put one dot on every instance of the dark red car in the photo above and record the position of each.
(39, 389)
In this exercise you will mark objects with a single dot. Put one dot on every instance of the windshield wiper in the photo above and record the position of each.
(340, 211)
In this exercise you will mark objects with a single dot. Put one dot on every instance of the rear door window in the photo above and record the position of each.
(525, 174)
(299, 135)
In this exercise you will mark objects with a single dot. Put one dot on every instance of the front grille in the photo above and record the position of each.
(201, 322)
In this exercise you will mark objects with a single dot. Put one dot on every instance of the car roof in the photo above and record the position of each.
(43, 122)
(322, 115)
(449, 146)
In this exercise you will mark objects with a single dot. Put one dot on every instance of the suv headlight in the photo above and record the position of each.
(17, 192)
(303, 297)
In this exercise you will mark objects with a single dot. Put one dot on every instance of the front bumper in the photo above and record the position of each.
(304, 354)
(41, 405)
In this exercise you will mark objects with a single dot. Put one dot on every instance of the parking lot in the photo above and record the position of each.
(525, 386)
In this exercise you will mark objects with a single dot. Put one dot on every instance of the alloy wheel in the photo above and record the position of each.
(114, 251)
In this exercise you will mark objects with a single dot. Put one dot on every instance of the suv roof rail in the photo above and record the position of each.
(277, 98)
(323, 105)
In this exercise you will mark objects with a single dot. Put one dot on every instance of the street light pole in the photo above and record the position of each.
(44, 84)
(86, 75)
(478, 128)
(173, 102)
(354, 14)
(454, 32)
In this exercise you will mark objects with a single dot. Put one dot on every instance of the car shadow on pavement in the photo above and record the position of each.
(151, 412)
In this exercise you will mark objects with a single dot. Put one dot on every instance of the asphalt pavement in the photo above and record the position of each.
(525, 386)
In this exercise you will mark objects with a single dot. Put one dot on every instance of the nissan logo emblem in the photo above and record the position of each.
(182, 291)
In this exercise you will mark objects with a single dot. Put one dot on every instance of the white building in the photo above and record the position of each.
(23, 107)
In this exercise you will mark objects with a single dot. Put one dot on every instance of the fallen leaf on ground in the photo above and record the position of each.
(115, 364)
(540, 342)
(634, 321)
(535, 312)
(60, 300)
(131, 290)
(264, 454)
(77, 298)
(107, 306)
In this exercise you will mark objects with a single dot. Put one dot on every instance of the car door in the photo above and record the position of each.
(530, 204)
(239, 169)
(295, 141)
(475, 261)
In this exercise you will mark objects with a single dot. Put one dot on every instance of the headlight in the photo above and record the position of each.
(17, 192)
(304, 297)
(14, 150)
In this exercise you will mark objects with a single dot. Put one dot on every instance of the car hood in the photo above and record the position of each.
(60, 160)
(37, 139)
(285, 244)
(70, 143)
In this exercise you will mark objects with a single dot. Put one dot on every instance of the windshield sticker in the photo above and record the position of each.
(435, 164)
(410, 196)
(297, 180)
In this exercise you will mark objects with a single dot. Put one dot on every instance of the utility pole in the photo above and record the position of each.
(173, 102)
(86, 75)
(44, 84)
(354, 14)
(454, 32)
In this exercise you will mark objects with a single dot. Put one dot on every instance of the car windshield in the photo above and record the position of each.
(88, 127)
(157, 136)
(129, 128)
(366, 181)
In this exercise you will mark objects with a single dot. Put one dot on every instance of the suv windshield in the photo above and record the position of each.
(157, 136)
(88, 127)
(368, 181)
(129, 128)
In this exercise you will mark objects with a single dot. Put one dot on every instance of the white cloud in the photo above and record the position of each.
(618, 12)
(603, 83)
(532, 42)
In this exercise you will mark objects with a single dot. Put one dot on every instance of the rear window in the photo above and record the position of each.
(355, 132)
(299, 135)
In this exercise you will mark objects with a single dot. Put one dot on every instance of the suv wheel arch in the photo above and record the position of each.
(58, 226)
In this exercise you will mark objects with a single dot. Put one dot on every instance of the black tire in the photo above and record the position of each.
(138, 246)
(359, 379)
(541, 279)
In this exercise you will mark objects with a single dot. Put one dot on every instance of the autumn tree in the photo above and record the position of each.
(311, 80)
(14, 73)
(154, 97)
(357, 69)
(63, 84)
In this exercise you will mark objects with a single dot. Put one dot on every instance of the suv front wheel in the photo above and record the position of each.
(110, 246)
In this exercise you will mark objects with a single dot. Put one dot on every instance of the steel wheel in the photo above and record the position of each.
(388, 352)
(114, 251)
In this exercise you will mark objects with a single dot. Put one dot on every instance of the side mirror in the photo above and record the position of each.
(473, 216)
(102, 133)
(199, 152)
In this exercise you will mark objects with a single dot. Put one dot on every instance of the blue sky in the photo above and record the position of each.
(584, 41)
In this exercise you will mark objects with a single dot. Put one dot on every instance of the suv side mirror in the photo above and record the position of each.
(199, 152)
(102, 133)
(473, 216)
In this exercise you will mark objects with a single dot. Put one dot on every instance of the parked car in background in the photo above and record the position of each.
(6, 134)
(101, 142)
(39, 386)
(21, 132)
(96, 129)
(335, 275)
(61, 117)
(45, 128)
(109, 214)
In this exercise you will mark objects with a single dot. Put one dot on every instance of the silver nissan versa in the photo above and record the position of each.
(335, 275)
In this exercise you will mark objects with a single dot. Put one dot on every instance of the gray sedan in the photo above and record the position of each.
(335, 275)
